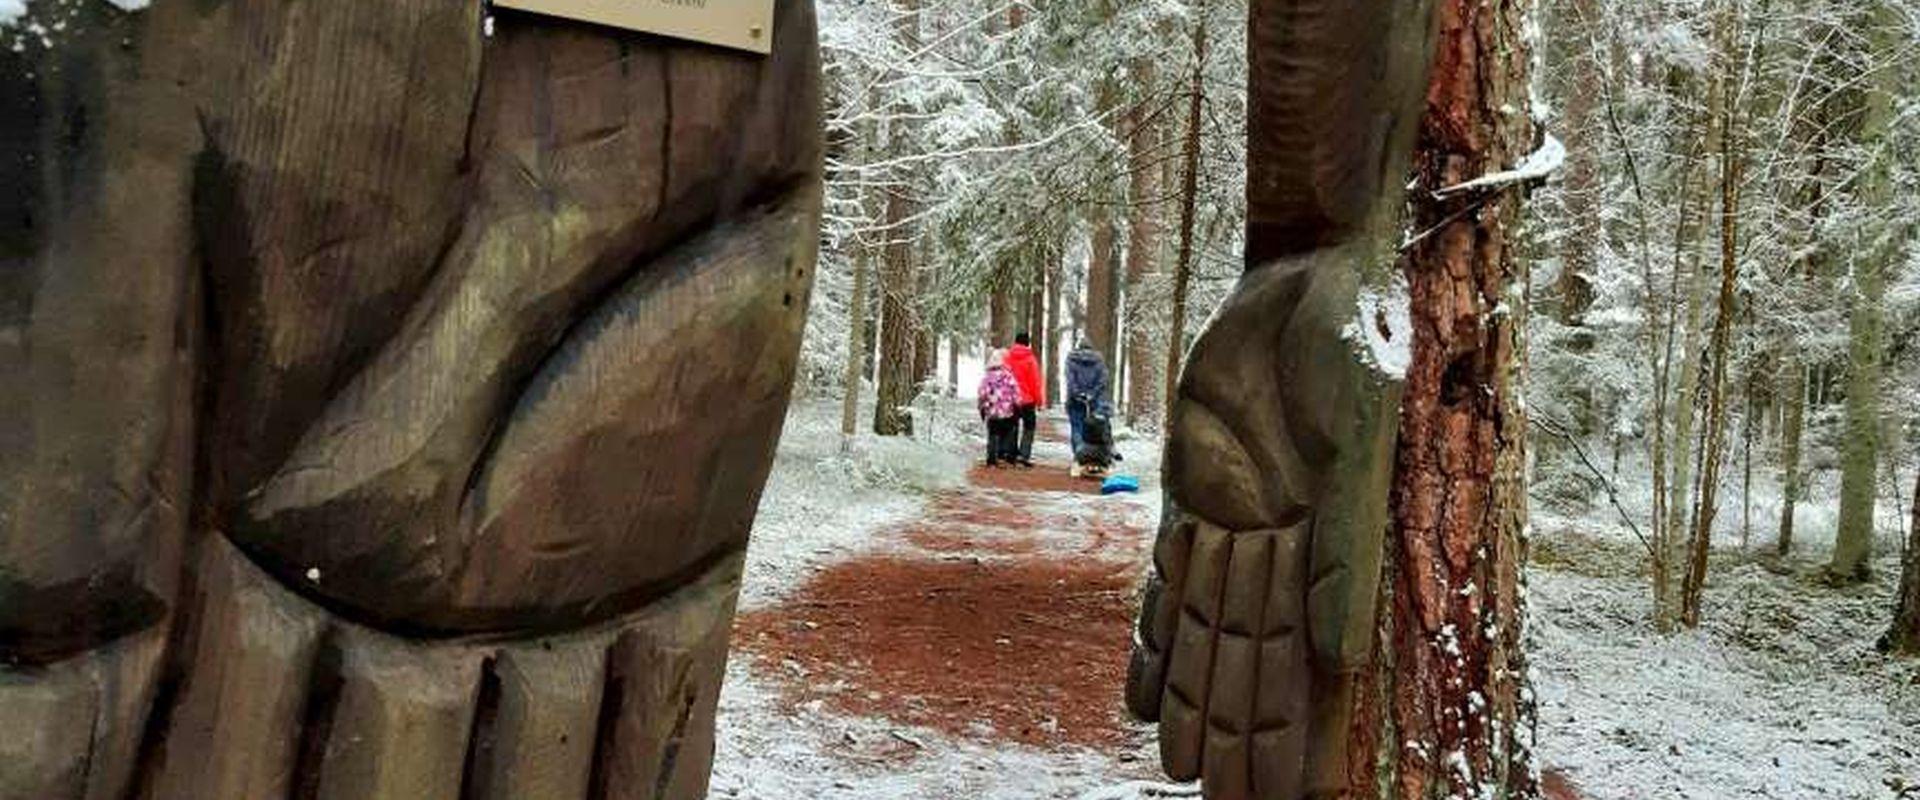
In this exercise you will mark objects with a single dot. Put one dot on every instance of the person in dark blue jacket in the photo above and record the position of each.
(1086, 389)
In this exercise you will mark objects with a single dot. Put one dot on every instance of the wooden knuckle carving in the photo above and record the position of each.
(383, 388)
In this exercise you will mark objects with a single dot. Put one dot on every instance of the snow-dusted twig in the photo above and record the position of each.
(1599, 478)
(1542, 162)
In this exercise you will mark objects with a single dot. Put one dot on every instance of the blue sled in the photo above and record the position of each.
(1120, 483)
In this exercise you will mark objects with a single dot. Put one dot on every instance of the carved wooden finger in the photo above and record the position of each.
(232, 725)
(540, 741)
(71, 730)
(665, 673)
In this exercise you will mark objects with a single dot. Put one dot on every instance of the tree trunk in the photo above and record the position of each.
(1581, 186)
(999, 309)
(1686, 399)
(899, 332)
(1102, 327)
(856, 325)
(1748, 431)
(1454, 677)
(870, 333)
(895, 392)
(1143, 243)
(953, 366)
(1036, 322)
(1728, 137)
(1051, 335)
(1904, 636)
(1673, 454)
(1189, 191)
(1795, 396)
(1853, 545)
(926, 352)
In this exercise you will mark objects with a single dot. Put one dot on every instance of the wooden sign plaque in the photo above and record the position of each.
(740, 24)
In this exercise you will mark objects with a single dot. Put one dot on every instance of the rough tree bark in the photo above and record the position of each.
(895, 384)
(1189, 192)
(999, 307)
(899, 333)
(1860, 453)
(1143, 245)
(1581, 188)
(1102, 294)
(1904, 635)
(1451, 666)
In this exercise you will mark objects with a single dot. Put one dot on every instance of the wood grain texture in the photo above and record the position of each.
(668, 666)
(542, 738)
(232, 728)
(72, 730)
(351, 358)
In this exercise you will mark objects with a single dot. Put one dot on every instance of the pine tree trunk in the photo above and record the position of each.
(1189, 192)
(1853, 545)
(1749, 430)
(1051, 335)
(953, 366)
(1581, 184)
(1036, 323)
(1143, 243)
(1453, 669)
(926, 353)
(999, 310)
(1673, 459)
(856, 327)
(1795, 396)
(1685, 402)
(1904, 636)
(1102, 327)
(895, 391)
(899, 333)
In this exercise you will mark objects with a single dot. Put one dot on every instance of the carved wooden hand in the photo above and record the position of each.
(386, 404)
(1280, 444)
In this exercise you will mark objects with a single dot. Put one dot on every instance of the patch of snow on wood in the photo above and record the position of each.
(1382, 329)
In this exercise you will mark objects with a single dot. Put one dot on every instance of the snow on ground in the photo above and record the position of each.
(1780, 693)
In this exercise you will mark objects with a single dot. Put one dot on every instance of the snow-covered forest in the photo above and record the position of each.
(1609, 489)
(1722, 332)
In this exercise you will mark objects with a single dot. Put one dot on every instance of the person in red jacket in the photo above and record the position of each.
(1026, 372)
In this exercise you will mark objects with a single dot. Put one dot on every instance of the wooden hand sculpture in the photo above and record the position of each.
(1280, 444)
(385, 395)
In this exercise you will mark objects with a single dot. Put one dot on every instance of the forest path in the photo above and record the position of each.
(1001, 614)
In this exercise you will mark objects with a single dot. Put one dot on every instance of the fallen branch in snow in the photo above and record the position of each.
(908, 739)
(1599, 478)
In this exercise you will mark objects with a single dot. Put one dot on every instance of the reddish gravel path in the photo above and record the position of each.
(1002, 615)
